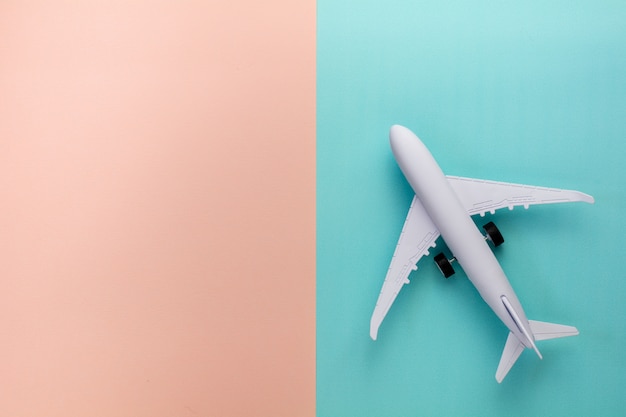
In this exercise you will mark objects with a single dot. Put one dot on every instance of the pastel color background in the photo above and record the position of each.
(162, 175)
(157, 183)
(531, 92)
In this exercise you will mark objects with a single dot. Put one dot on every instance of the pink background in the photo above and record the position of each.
(157, 208)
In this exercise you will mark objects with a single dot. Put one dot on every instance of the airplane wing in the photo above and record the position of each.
(481, 196)
(418, 236)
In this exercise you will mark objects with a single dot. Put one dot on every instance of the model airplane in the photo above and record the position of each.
(442, 206)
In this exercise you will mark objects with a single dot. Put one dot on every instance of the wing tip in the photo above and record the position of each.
(588, 199)
(374, 325)
(583, 197)
(374, 333)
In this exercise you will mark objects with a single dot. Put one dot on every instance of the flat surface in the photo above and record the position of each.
(522, 92)
(157, 208)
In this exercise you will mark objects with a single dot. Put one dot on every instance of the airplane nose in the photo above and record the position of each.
(399, 135)
(394, 135)
(408, 149)
(395, 132)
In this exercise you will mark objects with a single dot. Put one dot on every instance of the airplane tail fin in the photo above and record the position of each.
(514, 347)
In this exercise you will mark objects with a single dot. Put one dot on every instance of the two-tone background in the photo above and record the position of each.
(198, 205)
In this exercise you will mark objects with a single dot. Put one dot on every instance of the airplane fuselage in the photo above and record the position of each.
(457, 229)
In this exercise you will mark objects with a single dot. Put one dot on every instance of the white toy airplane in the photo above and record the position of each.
(442, 206)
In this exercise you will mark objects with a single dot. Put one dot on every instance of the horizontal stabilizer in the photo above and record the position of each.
(514, 347)
(544, 331)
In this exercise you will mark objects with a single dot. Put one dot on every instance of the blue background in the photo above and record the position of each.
(513, 91)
